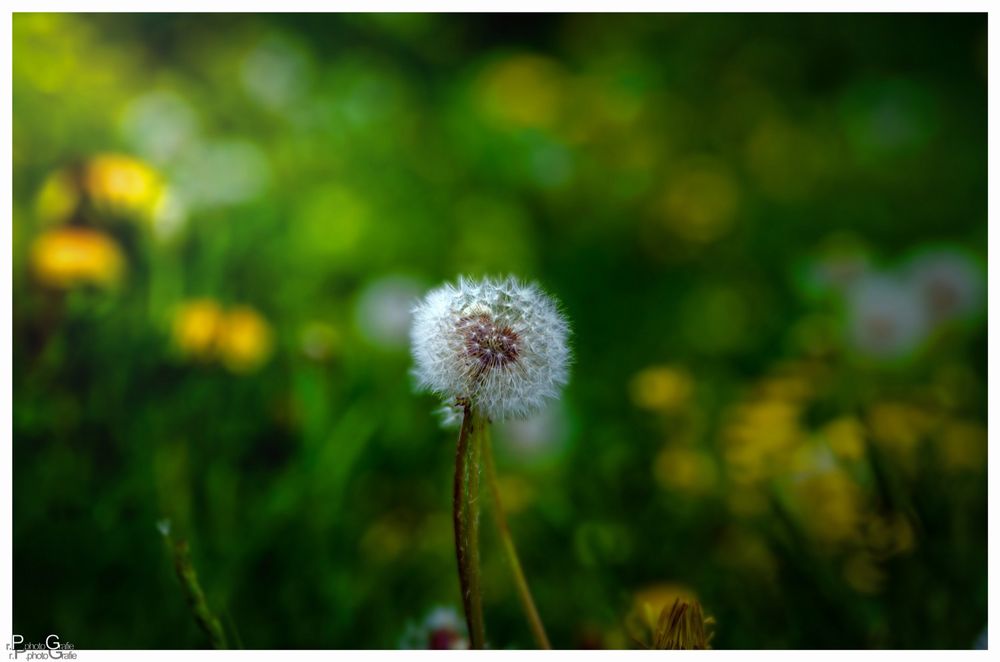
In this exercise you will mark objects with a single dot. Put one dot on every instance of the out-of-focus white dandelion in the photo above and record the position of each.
(538, 437)
(275, 73)
(221, 173)
(501, 345)
(442, 629)
(950, 282)
(886, 317)
(383, 310)
(160, 125)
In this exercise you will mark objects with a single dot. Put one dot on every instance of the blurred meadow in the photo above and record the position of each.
(768, 233)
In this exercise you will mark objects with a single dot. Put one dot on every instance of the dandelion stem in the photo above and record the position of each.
(528, 604)
(203, 615)
(466, 519)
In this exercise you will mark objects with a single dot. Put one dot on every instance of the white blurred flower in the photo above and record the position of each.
(886, 317)
(384, 309)
(500, 344)
(539, 436)
(950, 282)
(222, 172)
(159, 125)
(442, 629)
(275, 73)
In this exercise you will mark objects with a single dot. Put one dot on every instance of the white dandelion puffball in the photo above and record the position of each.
(951, 283)
(886, 317)
(499, 344)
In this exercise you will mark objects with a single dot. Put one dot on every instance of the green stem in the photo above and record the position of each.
(203, 615)
(465, 510)
(527, 603)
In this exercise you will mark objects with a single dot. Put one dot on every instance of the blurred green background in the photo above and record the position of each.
(768, 232)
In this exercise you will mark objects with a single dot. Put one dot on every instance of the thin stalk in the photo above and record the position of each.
(474, 508)
(203, 615)
(527, 603)
(465, 511)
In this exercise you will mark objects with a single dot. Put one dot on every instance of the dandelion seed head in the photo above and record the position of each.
(500, 344)
(950, 282)
(886, 317)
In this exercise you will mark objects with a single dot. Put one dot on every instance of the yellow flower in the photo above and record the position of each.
(846, 437)
(889, 536)
(701, 202)
(240, 338)
(829, 505)
(523, 91)
(685, 470)
(962, 446)
(120, 185)
(661, 388)
(70, 256)
(863, 574)
(652, 599)
(112, 185)
(898, 428)
(244, 340)
(759, 437)
(672, 614)
(196, 327)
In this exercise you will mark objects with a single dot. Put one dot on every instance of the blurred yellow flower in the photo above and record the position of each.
(196, 326)
(700, 204)
(889, 535)
(746, 502)
(682, 626)
(863, 574)
(523, 91)
(829, 505)
(70, 256)
(846, 437)
(123, 186)
(661, 388)
(758, 437)
(113, 185)
(962, 446)
(244, 340)
(651, 600)
(791, 387)
(240, 338)
(685, 470)
(898, 428)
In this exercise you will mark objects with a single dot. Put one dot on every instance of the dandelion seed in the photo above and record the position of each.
(499, 344)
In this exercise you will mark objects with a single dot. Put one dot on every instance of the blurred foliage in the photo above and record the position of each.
(768, 232)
